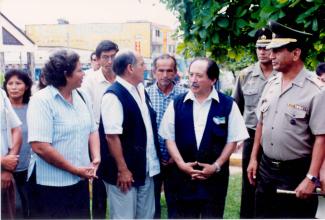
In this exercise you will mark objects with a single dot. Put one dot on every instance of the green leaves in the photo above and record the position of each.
(225, 29)
(223, 22)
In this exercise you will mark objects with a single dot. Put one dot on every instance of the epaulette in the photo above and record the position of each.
(314, 79)
(243, 73)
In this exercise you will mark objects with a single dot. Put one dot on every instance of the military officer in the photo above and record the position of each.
(248, 90)
(292, 139)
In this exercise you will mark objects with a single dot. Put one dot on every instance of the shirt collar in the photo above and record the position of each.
(213, 95)
(171, 92)
(100, 76)
(258, 71)
(300, 78)
(128, 85)
(56, 93)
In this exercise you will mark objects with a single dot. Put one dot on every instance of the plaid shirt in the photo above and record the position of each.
(160, 102)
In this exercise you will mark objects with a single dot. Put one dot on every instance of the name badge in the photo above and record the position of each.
(219, 120)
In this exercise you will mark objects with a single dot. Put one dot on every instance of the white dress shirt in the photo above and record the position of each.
(236, 125)
(112, 115)
(95, 85)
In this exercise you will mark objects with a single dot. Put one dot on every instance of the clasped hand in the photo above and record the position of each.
(191, 168)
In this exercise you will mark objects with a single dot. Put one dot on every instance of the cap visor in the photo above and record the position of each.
(273, 45)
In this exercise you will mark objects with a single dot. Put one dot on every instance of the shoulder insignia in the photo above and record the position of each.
(314, 79)
(245, 72)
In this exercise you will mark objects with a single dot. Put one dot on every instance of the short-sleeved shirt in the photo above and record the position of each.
(160, 102)
(290, 118)
(112, 115)
(236, 125)
(95, 85)
(66, 126)
(248, 90)
(9, 120)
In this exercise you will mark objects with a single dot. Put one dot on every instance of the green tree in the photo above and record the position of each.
(224, 30)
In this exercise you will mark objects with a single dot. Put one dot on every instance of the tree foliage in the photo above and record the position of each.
(224, 29)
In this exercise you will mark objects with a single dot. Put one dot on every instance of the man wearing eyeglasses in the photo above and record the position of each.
(96, 85)
(248, 90)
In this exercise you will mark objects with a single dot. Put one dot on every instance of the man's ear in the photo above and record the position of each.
(129, 68)
(296, 54)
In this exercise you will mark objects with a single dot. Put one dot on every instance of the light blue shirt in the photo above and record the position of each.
(66, 126)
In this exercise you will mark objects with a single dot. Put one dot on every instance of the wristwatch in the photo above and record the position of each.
(314, 179)
(218, 168)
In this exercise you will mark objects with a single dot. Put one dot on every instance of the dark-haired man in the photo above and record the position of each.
(94, 64)
(95, 85)
(248, 90)
(291, 136)
(129, 128)
(201, 129)
(161, 93)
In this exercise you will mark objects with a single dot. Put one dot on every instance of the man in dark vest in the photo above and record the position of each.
(129, 124)
(202, 128)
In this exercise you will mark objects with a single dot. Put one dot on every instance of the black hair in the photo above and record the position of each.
(122, 61)
(60, 65)
(212, 69)
(105, 45)
(23, 76)
(164, 56)
(320, 69)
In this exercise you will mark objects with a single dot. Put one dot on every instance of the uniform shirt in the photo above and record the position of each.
(9, 120)
(66, 126)
(236, 125)
(95, 85)
(112, 115)
(160, 102)
(290, 118)
(248, 90)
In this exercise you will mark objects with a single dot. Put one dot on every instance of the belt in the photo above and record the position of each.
(279, 164)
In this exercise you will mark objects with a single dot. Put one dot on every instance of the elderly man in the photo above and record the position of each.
(201, 129)
(289, 131)
(129, 124)
(248, 90)
(161, 93)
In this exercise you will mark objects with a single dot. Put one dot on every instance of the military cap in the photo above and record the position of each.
(283, 35)
(263, 37)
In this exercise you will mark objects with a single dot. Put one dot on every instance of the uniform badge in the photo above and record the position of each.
(219, 120)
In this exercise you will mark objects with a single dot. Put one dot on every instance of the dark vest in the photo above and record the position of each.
(212, 144)
(133, 139)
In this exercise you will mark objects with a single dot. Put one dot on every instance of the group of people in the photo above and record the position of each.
(105, 136)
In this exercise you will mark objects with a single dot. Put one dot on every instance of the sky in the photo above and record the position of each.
(22, 12)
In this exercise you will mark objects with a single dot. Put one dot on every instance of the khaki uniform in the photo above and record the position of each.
(290, 118)
(248, 90)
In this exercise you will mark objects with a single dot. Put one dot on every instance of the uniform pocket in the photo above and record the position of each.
(295, 118)
(251, 97)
